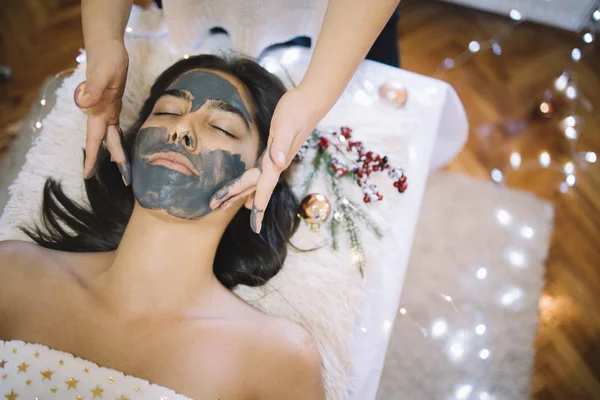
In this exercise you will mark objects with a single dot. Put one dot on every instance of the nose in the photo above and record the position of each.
(187, 139)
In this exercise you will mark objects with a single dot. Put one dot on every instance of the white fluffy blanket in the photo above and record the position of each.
(319, 290)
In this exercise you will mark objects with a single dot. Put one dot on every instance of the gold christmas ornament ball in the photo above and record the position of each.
(314, 210)
(394, 93)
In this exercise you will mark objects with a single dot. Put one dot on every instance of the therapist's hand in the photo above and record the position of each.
(292, 123)
(101, 94)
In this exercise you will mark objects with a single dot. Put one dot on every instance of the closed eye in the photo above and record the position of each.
(224, 131)
(166, 113)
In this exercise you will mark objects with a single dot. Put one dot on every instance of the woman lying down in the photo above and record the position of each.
(136, 288)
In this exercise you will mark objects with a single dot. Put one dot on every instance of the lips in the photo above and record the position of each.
(175, 161)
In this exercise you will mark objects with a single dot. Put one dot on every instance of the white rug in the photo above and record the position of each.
(483, 246)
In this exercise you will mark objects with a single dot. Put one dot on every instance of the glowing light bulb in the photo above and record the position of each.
(511, 296)
(481, 273)
(496, 175)
(186, 56)
(569, 168)
(570, 121)
(516, 258)
(545, 159)
(484, 396)
(439, 328)
(38, 124)
(590, 157)
(448, 298)
(545, 107)
(462, 392)
(596, 15)
(571, 180)
(43, 102)
(448, 63)
(129, 29)
(576, 54)
(484, 354)
(571, 133)
(564, 188)
(515, 160)
(527, 232)
(588, 37)
(503, 217)
(480, 329)
(571, 92)
(403, 311)
(474, 46)
(561, 82)
(515, 15)
(497, 49)
(457, 350)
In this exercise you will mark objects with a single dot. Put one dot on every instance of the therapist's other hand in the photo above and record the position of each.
(101, 94)
(292, 123)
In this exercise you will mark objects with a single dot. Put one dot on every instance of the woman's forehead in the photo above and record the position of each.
(206, 85)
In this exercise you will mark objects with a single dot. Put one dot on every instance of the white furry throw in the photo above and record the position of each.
(319, 290)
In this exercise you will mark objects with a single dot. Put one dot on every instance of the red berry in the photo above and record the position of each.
(402, 187)
(323, 143)
(346, 132)
(379, 197)
(376, 168)
(396, 184)
(403, 179)
(367, 199)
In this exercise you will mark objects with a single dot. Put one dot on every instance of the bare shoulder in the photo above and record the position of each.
(19, 269)
(15, 255)
(291, 361)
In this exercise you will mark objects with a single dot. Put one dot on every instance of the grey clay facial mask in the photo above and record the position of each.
(180, 195)
(208, 86)
(157, 187)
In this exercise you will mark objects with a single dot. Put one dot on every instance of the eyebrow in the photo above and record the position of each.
(178, 93)
(222, 105)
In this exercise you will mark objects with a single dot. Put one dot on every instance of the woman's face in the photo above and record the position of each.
(199, 136)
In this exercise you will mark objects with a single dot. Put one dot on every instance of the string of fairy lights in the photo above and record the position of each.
(564, 85)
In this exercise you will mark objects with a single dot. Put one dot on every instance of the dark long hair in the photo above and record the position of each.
(242, 257)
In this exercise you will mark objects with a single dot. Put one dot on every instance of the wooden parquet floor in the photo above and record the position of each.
(499, 93)
(39, 38)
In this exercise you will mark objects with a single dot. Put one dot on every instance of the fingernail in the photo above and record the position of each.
(124, 167)
(77, 93)
(93, 170)
(125, 173)
(253, 221)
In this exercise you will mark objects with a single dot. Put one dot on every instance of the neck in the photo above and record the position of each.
(163, 265)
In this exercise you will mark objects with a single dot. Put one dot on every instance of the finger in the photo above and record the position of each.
(239, 185)
(92, 91)
(116, 147)
(279, 149)
(96, 130)
(232, 200)
(264, 188)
